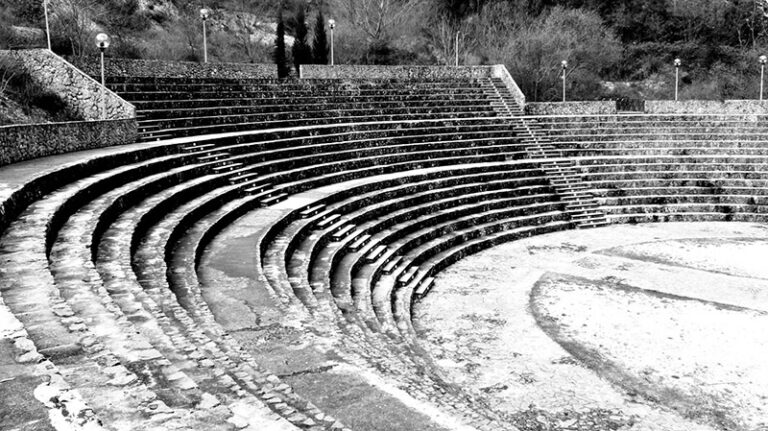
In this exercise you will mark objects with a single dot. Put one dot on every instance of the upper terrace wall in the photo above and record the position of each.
(174, 69)
(345, 71)
(83, 96)
(571, 108)
(706, 107)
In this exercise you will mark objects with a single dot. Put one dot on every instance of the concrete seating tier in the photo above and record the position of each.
(374, 211)
(650, 128)
(106, 236)
(148, 107)
(670, 166)
(216, 124)
(181, 107)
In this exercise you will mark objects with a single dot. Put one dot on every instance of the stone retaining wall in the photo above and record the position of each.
(345, 71)
(83, 97)
(29, 141)
(174, 69)
(500, 71)
(747, 107)
(571, 108)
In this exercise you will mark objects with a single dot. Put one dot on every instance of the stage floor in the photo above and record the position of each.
(634, 327)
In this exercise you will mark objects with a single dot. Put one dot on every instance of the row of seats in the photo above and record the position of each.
(100, 257)
(667, 167)
(172, 107)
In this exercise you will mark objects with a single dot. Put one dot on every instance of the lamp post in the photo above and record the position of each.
(457, 48)
(677, 77)
(564, 63)
(332, 25)
(763, 59)
(204, 14)
(47, 27)
(102, 42)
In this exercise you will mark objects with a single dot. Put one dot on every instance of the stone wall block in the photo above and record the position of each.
(742, 107)
(318, 71)
(83, 97)
(571, 108)
(123, 67)
(29, 141)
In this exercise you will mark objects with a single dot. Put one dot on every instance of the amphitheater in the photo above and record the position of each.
(371, 248)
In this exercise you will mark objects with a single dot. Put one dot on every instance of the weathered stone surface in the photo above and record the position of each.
(544, 322)
(174, 69)
(571, 108)
(721, 107)
(498, 71)
(19, 143)
(316, 71)
(83, 96)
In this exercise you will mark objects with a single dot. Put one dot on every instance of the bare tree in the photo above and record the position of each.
(246, 13)
(190, 29)
(379, 20)
(445, 36)
(8, 70)
(74, 23)
(533, 50)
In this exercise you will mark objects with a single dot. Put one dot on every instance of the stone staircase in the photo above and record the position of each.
(581, 205)
(221, 162)
(151, 132)
(503, 102)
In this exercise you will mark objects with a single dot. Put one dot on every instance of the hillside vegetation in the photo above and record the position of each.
(614, 48)
(22, 101)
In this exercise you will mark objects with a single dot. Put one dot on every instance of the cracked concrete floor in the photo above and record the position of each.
(644, 327)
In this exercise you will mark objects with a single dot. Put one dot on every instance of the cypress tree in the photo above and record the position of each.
(302, 54)
(320, 42)
(279, 54)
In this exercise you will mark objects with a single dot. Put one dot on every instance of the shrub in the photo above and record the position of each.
(320, 41)
(302, 54)
(534, 51)
(279, 55)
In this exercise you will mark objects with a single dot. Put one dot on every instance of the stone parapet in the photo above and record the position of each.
(124, 67)
(748, 107)
(318, 71)
(499, 71)
(84, 98)
(571, 108)
(29, 141)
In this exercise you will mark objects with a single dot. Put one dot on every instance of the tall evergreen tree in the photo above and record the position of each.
(279, 55)
(302, 54)
(320, 41)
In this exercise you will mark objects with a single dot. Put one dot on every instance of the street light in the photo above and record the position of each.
(47, 27)
(677, 76)
(102, 42)
(204, 14)
(564, 63)
(457, 48)
(763, 59)
(332, 25)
